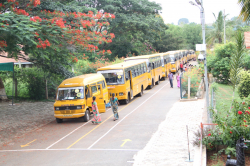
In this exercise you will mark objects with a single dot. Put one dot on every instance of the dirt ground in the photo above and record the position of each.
(221, 161)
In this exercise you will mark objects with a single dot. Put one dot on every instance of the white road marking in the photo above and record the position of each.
(126, 116)
(71, 149)
(69, 134)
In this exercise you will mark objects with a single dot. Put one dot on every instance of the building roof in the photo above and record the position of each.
(247, 39)
(23, 59)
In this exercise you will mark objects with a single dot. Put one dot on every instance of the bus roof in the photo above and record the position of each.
(81, 80)
(120, 65)
(143, 56)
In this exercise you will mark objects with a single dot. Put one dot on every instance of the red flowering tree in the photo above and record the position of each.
(52, 39)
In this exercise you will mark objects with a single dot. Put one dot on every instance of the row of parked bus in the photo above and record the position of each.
(125, 80)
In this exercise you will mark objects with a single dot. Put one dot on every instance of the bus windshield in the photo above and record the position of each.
(113, 77)
(172, 59)
(70, 93)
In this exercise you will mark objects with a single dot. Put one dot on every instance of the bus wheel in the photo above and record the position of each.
(140, 94)
(152, 85)
(158, 82)
(127, 100)
(59, 120)
(86, 116)
(163, 78)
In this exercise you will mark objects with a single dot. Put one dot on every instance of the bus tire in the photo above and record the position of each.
(127, 100)
(59, 120)
(140, 94)
(163, 78)
(158, 82)
(86, 116)
(152, 85)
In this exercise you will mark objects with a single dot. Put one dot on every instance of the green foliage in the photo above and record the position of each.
(234, 124)
(137, 25)
(236, 59)
(193, 35)
(214, 86)
(195, 78)
(219, 65)
(246, 61)
(230, 151)
(244, 84)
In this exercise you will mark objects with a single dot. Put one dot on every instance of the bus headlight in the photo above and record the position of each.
(56, 108)
(79, 107)
(121, 94)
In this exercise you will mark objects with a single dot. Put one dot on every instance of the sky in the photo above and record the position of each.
(173, 10)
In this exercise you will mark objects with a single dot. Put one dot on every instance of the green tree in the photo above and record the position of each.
(245, 12)
(215, 35)
(170, 39)
(137, 25)
(219, 65)
(193, 35)
(236, 62)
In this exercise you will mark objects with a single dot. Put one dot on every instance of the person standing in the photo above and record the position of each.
(170, 77)
(181, 66)
(178, 80)
(97, 116)
(114, 104)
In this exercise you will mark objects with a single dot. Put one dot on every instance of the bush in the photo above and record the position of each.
(219, 65)
(35, 80)
(195, 78)
(244, 84)
(232, 126)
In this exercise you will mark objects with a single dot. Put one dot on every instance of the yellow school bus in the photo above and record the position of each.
(74, 97)
(166, 64)
(126, 79)
(193, 56)
(184, 58)
(154, 67)
(189, 56)
(173, 60)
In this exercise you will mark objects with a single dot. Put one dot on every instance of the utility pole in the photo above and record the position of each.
(205, 60)
(200, 6)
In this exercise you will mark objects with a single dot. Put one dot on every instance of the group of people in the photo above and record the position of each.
(171, 78)
(114, 104)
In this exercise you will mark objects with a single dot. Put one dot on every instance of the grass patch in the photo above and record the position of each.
(224, 96)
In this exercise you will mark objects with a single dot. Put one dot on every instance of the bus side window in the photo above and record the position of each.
(133, 72)
(87, 91)
(144, 68)
(93, 89)
(103, 85)
(99, 88)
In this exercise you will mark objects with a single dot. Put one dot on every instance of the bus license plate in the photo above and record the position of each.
(67, 115)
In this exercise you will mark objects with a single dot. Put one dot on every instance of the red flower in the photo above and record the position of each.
(243, 103)
(239, 112)
(248, 107)
(209, 134)
(231, 132)
(245, 121)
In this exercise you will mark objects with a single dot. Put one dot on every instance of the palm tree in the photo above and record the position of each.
(216, 33)
(245, 9)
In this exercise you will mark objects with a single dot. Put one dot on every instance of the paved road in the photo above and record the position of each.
(81, 143)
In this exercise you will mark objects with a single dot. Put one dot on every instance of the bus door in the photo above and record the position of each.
(88, 95)
(131, 85)
(96, 91)
(154, 75)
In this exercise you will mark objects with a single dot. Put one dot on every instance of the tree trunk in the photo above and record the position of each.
(2, 91)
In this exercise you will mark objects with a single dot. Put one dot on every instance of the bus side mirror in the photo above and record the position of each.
(54, 96)
(127, 79)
